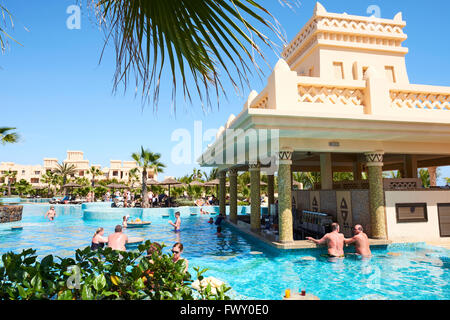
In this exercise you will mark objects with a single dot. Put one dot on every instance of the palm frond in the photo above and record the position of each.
(194, 39)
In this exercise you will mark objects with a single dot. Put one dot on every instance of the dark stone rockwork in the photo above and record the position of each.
(10, 213)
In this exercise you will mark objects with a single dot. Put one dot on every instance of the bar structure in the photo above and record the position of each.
(340, 101)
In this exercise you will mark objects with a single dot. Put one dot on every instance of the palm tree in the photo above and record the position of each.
(48, 178)
(11, 175)
(64, 170)
(212, 174)
(147, 160)
(198, 38)
(23, 187)
(133, 177)
(94, 171)
(309, 179)
(197, 174)
(6, 136)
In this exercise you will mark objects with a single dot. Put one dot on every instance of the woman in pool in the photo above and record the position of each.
(124, 221)
(98, 241)
(177, 250)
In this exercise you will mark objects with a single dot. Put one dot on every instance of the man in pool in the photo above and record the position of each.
(334, 240)
(118, 240)
(177, 223)
(361, 241)
(51, 214)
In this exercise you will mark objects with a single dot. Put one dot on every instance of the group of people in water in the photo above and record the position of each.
(118, 241)
(336, 241)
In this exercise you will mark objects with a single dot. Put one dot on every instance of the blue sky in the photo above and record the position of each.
(56, 93)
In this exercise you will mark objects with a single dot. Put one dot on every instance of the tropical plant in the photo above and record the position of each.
(11, 176)
(64, 170)
(197, 174)
(392, 174)
(95, 172)
(49, 179)
(147, 160)
(309, 179)
(197, 38)
(424, 175)
(342, 176)
(6, 134)
(213, 174)
(23, 187)
(99, 275)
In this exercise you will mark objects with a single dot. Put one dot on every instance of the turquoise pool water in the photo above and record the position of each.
(253, 270)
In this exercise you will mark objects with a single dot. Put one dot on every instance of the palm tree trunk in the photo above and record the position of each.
(144, 190)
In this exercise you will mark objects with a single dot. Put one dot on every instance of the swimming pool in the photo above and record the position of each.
(252, 269)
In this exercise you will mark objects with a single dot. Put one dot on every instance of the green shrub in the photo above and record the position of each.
(185, 203)
(100, 275)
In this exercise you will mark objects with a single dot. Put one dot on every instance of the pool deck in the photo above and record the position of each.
(295, 245)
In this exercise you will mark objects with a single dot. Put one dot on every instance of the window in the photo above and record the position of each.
(411, 212)
(81, 173)
(34, 180)
(37, 172)
(311, 72)
(23, 171)
(444, 219)
(390, 74)
(338, 68)
(115, 173)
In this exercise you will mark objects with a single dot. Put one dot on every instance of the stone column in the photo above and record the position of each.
(270, 191)
(433, 176)
(374, 162)
(222, 192)
(285, 223)
(255, 197)
(326, 171)
(232, 173)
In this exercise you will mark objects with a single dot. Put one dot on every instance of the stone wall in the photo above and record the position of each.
(10, 213)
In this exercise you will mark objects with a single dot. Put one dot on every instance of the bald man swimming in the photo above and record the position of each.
(361, 241)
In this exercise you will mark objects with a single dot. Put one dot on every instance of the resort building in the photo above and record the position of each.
(118, 169)
(340, 100)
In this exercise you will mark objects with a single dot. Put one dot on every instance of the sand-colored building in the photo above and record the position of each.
(340, 100)
(118, 169)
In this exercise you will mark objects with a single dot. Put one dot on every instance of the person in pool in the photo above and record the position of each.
(118, 240)
(334, 240)
(124, 221)
(177, 250)
(211, 221)
(51, 214)
(98, 241)
(361, 241)
(219, 231)
(177, 223)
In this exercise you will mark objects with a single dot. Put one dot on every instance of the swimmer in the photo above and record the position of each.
(177, 250)
(98, 241)
(51, 214)
(361, 241)
(118, 240)
(124, 221)
(177, 223)
(219, 231)
(211, 221)
(334, 240)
